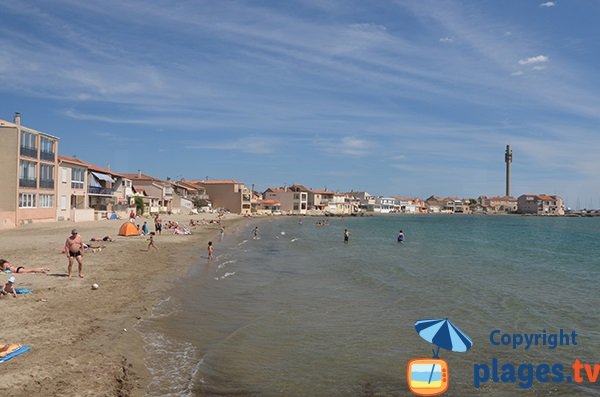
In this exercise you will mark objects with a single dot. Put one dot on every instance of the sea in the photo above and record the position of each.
(295, 311)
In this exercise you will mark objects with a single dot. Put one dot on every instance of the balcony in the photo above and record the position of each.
(76, 185)
(100, 191)
(47, 156)
(29, 152)
(27, 183)
(47, 184)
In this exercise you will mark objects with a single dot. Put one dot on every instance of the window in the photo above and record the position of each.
(46, 149)
(46, 172)
(26, 200)
(28, 140)
(47, 145)
(27, 174)
(296, 196)
(47, 176)
(77, 178)
(46, 200)
(26, 170)
(63, 175)
(63, 202)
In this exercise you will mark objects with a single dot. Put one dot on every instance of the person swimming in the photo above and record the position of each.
(401, 236)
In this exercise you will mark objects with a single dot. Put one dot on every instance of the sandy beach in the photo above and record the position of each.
(83, 341)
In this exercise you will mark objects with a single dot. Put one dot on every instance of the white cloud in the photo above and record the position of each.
(349, 146)
(446, 40)
(536, 59)
(538, 68)
(517, 73)
(251, 144)
(548, 4)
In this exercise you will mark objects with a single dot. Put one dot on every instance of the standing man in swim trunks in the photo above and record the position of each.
(346, 236)
(73, 248)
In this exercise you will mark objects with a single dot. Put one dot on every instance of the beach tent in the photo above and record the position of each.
(128, 229)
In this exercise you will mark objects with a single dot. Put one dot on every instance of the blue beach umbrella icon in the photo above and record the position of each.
(443, 334)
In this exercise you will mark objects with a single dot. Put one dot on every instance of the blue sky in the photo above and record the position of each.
(393, 97)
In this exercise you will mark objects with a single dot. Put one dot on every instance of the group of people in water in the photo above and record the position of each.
(347, 236)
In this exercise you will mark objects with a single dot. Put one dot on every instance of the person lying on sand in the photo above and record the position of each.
(6, 265)
(105, 238)
(9, 287)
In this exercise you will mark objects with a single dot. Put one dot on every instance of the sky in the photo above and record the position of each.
(395, 97)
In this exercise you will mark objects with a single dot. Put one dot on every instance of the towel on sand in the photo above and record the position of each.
(11, 350)
(22, 290)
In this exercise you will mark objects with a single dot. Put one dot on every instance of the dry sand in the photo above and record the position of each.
(83, 341)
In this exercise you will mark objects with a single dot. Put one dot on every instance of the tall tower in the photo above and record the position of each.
(508, 160)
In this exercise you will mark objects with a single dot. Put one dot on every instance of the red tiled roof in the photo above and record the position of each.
(72, 160)
(214, 182)
(140, 177)
(272, 202)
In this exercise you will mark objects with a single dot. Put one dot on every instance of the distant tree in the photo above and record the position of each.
(139, 205)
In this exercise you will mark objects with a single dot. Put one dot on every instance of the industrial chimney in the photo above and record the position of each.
(508, 160)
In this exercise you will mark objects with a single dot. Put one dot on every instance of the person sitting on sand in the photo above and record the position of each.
(6, 265)
(9, 287)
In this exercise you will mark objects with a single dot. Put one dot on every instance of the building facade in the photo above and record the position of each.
(28, 173)
(230, 195)
(291, 201)
(540, 204)
(73, 202)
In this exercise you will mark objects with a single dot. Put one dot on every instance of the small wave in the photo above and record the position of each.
(294, 239)
(163, 308)
(222, 265)
(173, 366)
(242, 243)
(228, 274)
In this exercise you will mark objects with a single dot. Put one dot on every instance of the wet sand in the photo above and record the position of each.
(83, 341)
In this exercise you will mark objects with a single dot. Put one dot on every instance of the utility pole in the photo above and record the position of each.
(508, 160)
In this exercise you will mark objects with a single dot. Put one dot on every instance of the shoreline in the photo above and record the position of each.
(84, 341)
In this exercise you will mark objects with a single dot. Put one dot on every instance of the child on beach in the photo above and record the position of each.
(210, 250)
(9, 287)
(151, 243)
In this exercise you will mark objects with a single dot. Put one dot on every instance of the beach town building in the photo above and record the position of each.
(73, 202)
(105, 191)
(435, 204)
(153, 188)
(293, 199)
(186, 196)
(267, 207)
(340, 204)
(385, 205)
(89, 192)
(366, 201)
(322, 198)
(453, 205)
(540, 204)
(498, 204)
(230, 195)
(410, 205)
(28, 173)
(316, 202)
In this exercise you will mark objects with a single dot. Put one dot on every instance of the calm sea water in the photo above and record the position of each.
(299, 313)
